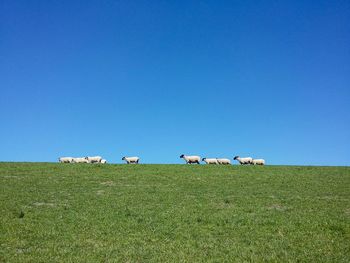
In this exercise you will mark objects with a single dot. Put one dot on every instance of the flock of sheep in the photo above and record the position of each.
(188, 158)
(88, 159)
(94, 159)
(241, 160)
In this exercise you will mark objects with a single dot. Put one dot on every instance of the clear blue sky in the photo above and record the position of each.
(267, 79)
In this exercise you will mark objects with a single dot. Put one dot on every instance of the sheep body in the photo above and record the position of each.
(80, 160)
(94, 159)
(258, 162)
(65, 159)
(191, 159)
(131, 159)
(245, 160)
(210, 160)
(224, 161)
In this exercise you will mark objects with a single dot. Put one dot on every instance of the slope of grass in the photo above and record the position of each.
(172, 213)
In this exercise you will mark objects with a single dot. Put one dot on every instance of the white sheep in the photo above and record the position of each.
(103, 161)
(131, 159)
(94, 159)
(210, 160)
(258, 162)
(191, 159)
(245, 160)
(65, 159)
(224, 161)
(80, 160)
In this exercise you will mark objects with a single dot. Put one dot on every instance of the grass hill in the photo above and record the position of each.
(171, 213)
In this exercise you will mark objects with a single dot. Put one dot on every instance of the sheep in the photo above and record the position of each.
(94, 159)
(65, 159)
(131, 159)
(191, 159)
(210, 160)
(80, 160)
(246, 160)
(103, 161)
(224, 161)
(258, 162)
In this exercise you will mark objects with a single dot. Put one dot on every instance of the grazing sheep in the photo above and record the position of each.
(94, 159)
(246, 160)
(103, 161)
(210, 160)
(80, 160)
(258, 162)
(224, 161)
(131, 159)
(191, 159)
(65, 159)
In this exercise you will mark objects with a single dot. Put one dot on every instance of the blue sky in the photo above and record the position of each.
(267, 79)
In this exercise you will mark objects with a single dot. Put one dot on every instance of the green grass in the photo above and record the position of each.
(172, 213)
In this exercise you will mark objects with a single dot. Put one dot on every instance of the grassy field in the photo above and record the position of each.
(171, 213)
